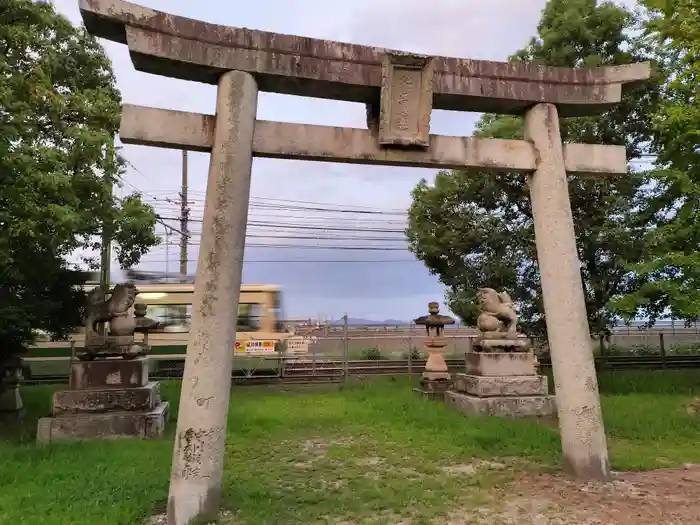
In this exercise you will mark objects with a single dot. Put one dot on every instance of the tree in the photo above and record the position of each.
(475, 229)
(59, 114)
(671, 262)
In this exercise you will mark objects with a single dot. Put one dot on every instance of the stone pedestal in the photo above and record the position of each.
(434, 388)
(11, 405)
(504, 384)
(436, 379)
(500, 345)
(108, 399)
(436, 367)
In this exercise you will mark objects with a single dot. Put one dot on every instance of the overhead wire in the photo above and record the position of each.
(314, 261)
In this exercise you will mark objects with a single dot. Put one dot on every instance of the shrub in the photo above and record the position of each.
(413, 354)
(684, 349)
(371, 354)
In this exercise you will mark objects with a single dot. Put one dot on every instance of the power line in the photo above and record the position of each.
(312, 247)
(340, 221)
(312, 261)
(167, 202)
(160, 221)
(334, 210)
(315, 238)
(300, 226)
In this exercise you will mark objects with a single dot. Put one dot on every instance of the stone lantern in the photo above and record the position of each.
(436, 377)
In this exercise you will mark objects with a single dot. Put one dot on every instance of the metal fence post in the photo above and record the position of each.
(470, 342)
(662, 349)
(313, 361)
(346, 351)
(70, 363)
(410, 349)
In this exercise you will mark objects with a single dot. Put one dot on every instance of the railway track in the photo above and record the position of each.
(320, 371)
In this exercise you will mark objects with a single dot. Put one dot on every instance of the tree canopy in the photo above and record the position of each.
(670, 264)
(475, 229)
(59, 115)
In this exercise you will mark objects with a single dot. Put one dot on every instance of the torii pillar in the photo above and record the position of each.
(198, 455)
(576, 383)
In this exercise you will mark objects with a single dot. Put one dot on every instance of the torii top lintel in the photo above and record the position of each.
(179, 47)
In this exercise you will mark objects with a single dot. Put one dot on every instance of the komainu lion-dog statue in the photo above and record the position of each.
(498, 323)
(114, 312)
(498, 319)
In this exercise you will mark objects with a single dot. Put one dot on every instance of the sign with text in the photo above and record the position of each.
(266, 346)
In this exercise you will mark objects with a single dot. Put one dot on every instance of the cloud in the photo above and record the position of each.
(398, 286)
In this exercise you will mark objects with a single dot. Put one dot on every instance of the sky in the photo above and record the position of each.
(381, 280)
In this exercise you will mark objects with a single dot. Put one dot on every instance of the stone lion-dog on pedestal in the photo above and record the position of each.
(497, 323)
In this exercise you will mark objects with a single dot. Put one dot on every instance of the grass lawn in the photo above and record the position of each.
(324, 456)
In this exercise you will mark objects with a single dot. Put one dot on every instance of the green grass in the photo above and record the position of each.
(314, 456)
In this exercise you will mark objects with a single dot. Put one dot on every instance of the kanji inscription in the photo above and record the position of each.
(406, 100)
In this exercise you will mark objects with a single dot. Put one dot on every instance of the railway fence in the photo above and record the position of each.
(331, 354)
(296, 370)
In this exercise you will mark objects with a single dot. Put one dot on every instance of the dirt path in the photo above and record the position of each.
(658, 497)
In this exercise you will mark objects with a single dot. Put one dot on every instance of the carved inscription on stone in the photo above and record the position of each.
(406, 100)
(406, 84)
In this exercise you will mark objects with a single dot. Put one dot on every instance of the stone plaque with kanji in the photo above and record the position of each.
(406, 100)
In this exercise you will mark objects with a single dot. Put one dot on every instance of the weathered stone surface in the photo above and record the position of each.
(109, 373)
(435, 385)
(493, 386)
(201, 427)
(581, 420)
(512, 407)
(435, 395)
(110, 425)
(436, 373)
(433, 388)
(129, 399)
(11, 399)
(406, 100)
(501, 363)
(281, 140)
(490, 344)
(498, 318)
(180, 47)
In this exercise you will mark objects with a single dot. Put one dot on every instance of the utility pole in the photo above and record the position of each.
(106, 250)
(167, 250)
(184, 216)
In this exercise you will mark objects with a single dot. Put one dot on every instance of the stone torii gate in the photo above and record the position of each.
(399, 90)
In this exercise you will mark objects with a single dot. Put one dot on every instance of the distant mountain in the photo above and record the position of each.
(352, 321)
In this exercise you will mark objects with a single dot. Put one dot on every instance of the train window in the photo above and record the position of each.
(249, 317)
(174, 318)
(277, 311)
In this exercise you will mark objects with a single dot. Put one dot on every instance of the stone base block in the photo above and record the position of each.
(11, 405)
(501, 363)
(441, 376)
(12, 416)
(10, 399)
(494, 386)
(110, 425)
(502, 345)
(511, 407)
(427, 393)
(104, 400)
(436, 385)
(430, 394)
(434, 388)
(109, 373)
